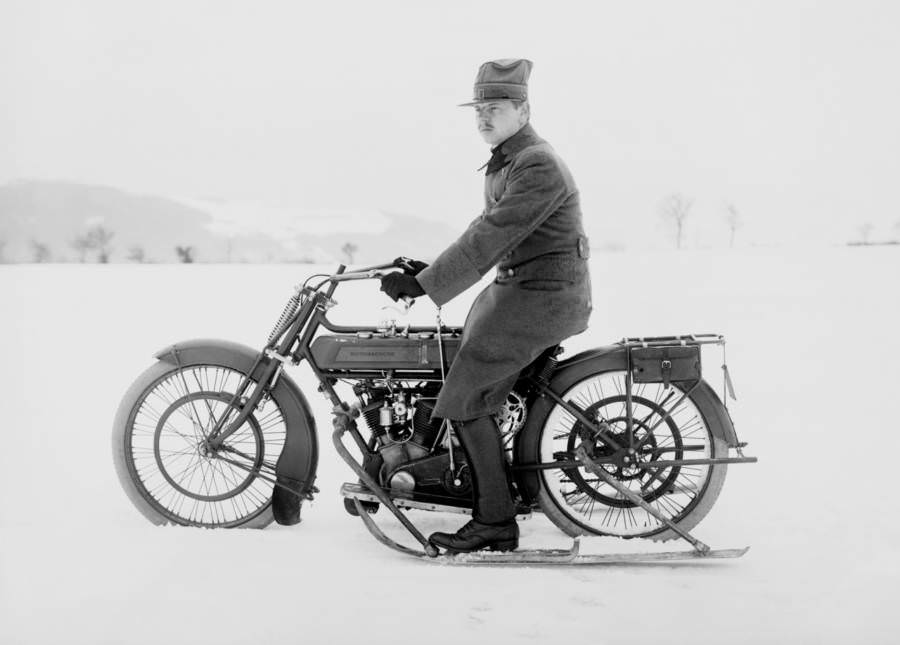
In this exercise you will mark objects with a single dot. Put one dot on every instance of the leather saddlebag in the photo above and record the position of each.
(666, 365)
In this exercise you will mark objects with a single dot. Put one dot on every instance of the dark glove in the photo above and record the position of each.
(399, 284)
(409, 266)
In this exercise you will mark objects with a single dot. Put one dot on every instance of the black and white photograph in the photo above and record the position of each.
(449, 323)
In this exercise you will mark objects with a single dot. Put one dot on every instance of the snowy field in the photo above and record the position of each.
(814, 350)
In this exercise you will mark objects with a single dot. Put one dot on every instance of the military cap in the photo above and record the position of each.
(506, 78)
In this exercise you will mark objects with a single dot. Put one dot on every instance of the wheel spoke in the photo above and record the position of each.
(212, 417)
(181, 480)
(665, 422)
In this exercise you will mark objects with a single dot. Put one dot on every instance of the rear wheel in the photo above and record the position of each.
(580, 502)
(165, 463)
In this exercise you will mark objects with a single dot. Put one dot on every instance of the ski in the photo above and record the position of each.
(570, 556)
(573, 557)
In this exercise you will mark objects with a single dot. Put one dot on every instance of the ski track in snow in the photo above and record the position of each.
(812, 346)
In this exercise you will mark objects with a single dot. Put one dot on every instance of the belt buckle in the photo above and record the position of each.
(584, 251)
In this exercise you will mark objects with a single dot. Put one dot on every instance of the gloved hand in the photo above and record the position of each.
(399, 284)
(410, 266)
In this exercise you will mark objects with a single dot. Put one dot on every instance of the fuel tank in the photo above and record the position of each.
(366, 352)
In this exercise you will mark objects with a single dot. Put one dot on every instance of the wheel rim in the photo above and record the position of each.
(674, 491)
(174, 467)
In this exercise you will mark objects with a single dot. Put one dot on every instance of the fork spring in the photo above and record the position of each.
(290, 310)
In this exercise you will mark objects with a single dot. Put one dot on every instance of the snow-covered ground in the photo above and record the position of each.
(814, 349)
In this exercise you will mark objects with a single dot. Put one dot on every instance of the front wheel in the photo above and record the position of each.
(168, 468)
(580, 502)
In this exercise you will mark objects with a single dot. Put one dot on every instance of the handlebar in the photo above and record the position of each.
(371, 273)
(402, 262)
(361, 274)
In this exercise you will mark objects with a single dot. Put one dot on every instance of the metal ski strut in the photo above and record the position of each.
(342, 422)
(582, 456)
(379, 534)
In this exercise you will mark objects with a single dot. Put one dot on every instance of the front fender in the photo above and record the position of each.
(210, 350)
(297, 464)
(227, 353)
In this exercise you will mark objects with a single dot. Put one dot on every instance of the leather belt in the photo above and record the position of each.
(541, 267)
(580, 252)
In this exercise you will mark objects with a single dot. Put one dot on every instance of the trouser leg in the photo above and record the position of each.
(480, 439)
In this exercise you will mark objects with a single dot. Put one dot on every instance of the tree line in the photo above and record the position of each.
(676, 208)
(95, 245)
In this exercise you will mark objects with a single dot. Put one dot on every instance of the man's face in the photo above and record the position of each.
(498, 120)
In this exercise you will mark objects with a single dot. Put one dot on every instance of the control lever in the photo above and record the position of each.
(404, 263)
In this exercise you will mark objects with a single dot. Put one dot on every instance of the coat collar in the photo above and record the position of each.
(526, 136)
(502, 155)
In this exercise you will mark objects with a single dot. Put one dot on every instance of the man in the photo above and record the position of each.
(531, 230)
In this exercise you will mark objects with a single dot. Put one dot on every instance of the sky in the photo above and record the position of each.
(787, 110)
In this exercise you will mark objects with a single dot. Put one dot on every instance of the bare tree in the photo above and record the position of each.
(99, 237)
(136, 254)
(96, 238)
(82, 245)
(733, 219)
(185, 254)
(349, 249)
(40, 252)
(675, 208)
(865, 231)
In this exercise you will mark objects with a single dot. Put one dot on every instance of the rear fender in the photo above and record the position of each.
(299, 457)
(570, 371)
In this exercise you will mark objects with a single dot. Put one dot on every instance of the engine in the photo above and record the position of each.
(401, 416)
(413, 454)
(397, 378)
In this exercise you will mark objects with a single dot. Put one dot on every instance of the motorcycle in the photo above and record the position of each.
(626, 440)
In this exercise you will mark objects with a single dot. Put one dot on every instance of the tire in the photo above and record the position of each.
(580, 503)
(160, 459)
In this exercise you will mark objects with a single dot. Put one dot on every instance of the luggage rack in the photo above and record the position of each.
(685, 340)
(663, 341)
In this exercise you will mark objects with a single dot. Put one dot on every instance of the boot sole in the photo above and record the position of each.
(499, 545)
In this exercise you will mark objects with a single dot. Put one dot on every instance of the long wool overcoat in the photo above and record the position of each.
(531, 230)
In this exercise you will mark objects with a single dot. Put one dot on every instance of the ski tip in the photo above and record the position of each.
(726, 553)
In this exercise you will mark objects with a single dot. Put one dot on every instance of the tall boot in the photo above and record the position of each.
(493, 525)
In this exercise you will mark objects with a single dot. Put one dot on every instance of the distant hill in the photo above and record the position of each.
(54, 214)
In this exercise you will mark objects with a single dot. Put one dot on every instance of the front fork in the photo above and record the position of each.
(294, 322)
(245, 405)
